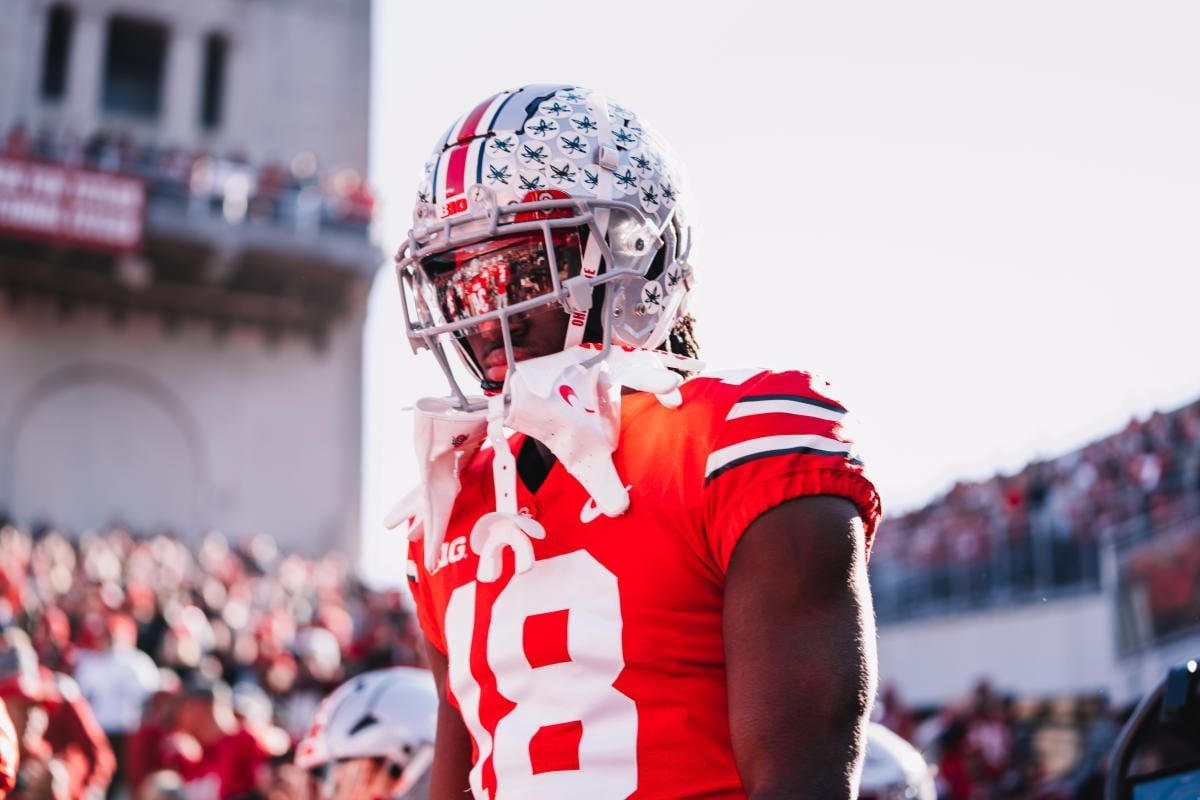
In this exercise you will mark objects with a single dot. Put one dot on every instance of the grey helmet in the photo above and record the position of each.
(586, 193)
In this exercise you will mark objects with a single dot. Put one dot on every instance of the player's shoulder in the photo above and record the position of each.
(769, 418)
(738, 390)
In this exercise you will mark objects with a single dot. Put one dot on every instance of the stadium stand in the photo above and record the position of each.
(295, 194)
(991, 744)
(1041, 532)
(186, 653)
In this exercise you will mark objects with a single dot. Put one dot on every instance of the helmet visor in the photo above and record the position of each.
(476, 279)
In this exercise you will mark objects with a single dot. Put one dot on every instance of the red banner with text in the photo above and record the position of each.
(79, 207)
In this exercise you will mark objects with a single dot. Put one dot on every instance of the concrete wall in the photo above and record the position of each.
(297, 75)
(1044, 649)
(21, 38)
(1058, 648)
(101, 422)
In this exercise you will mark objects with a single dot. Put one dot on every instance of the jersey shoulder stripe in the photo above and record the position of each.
(786, 404)
(773, 414)
(767, 446)
(775, 436)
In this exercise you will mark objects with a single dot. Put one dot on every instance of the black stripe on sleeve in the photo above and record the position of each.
(828, 405)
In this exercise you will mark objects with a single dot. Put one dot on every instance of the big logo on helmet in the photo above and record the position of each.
(455, 205)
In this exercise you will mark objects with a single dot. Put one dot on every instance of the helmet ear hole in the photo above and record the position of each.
(657, 265)
(672, 249)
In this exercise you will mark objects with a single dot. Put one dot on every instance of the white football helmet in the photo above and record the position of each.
(893, 769)
(375, 730)
(544, 196)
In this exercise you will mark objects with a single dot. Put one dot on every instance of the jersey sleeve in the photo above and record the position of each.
(418, 584)
(782, 437)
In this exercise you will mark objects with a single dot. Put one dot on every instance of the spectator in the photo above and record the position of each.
(63, 750)
(225, 760)
(17, 143)
(895, 715)
(989, 739)
(212, 184)
(72, 730)
(164, 785)
(147, 749)
(117, 679)
(954, 770)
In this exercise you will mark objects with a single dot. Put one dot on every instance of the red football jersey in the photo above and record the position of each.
(600, 672)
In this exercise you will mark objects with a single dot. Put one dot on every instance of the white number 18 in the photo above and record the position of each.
(578, 690)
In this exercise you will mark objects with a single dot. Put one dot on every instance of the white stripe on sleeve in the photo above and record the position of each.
(799, 408)
(770, 444)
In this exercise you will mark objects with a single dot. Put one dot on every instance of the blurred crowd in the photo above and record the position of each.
(1159, 587)
(296, 194)
(143, 667)
(140, 667)
(1039, 530)
(990, 746)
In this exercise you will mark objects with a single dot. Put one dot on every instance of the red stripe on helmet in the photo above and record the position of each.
(456, 170)
(472, 121)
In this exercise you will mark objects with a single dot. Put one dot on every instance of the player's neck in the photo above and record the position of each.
(534, 463)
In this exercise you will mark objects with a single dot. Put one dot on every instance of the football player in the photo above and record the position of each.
(631, 584)
(372, 738)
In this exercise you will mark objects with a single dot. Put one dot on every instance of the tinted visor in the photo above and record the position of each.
(476, 279)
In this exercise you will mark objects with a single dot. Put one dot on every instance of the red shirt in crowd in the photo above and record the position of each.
(145, 752)
(226, 769)
(72, 734)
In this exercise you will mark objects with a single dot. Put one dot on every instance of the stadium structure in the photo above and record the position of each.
(185, 255)
(1078, 575)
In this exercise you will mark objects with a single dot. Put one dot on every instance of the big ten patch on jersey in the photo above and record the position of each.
(451, 552)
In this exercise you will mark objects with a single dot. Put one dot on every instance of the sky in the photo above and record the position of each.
(979, 221)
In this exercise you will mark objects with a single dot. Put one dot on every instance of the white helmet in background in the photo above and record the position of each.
(373, 736)
(893, 769)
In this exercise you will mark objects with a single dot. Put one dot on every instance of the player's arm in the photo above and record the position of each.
(449, 775)
(800, 649)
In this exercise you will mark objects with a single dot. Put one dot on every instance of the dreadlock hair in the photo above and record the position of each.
(682, 339)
